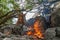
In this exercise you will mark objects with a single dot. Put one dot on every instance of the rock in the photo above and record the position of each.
(25, 37)
(2, 35)
(50, 33)
(55, 18)
(56, 38)
(58, 32)
(7, 39)
(25, 28)
(18, 38)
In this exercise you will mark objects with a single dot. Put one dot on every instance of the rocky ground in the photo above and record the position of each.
(50, 34)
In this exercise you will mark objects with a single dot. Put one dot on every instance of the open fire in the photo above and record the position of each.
(38, 29)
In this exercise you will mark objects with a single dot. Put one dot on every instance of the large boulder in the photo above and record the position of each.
(55, 18)
(52, 33)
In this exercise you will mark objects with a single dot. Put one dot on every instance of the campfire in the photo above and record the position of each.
(37, 29)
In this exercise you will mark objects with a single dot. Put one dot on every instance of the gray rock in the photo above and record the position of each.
(50, 33)
(7, 39)
(2, 35)
(58, 31)
(25, 37)
(25, 28)
(56, 38)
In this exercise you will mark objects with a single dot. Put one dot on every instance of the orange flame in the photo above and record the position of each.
(29, 32)
(37, 30)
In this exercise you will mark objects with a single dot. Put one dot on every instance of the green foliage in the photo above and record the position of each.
(6, 6)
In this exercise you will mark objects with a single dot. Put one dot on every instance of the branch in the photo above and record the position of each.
(9, 16)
